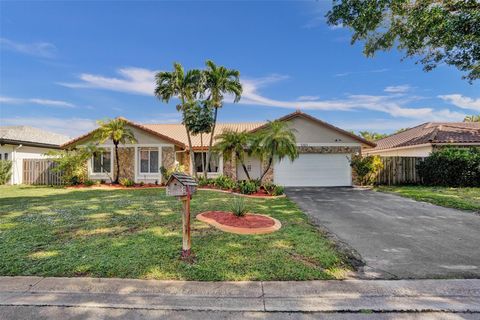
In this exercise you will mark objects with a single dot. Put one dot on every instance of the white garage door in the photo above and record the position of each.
(311, 169)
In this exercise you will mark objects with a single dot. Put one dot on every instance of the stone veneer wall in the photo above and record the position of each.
(126, 158)
(168, 157)
(230, 167)
(269, 175)
(329, 149)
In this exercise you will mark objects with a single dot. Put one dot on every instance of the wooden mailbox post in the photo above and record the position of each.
(182, 186)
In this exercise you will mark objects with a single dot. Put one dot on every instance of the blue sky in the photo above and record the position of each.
(64, 65)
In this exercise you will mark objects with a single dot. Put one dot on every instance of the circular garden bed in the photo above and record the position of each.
(247, 224)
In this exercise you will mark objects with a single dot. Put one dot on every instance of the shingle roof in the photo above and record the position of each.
(433, 132)
(25, 134)
(177, 131)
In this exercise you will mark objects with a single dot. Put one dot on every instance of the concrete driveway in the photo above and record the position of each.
(396, 237)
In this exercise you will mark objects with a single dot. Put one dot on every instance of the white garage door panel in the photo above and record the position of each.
(309, 170)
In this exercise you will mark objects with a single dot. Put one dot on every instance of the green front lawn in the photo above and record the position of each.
(460, 198)
(137, 234)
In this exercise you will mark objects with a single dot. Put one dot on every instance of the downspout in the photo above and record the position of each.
(14, 163)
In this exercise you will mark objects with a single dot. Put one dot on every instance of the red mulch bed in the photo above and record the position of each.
(247, 221)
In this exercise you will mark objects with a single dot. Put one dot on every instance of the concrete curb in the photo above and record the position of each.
(245, 296)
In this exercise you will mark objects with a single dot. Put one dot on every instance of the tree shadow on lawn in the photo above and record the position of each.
(137, 234)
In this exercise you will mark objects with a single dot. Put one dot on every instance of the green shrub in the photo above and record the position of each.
(238, 206)
(166, 173)
(246, 187)
(278, 191)
(5, 171)
(224, 183)
(89, 183)
(127, 182)
(203, 182)
(452, 167)
(142, 183)
(366, 168)
(273, 189)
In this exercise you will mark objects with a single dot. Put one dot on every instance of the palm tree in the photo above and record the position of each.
(117, 131)
(472, 118)
(218, 82)
(275, 140)
(233, 142)
(184, 86)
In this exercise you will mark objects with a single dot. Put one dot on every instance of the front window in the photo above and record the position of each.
(213, 167)
(148, 160)
(101, 162)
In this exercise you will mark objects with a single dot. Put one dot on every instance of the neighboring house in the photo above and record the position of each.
(421, 140)
(22, 142)
(324, 150)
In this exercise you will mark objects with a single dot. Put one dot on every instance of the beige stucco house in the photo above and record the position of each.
(325, 151)
(421, 140)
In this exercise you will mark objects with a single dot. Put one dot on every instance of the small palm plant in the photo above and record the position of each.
(275, 140)
(234, 142)
(117, 131)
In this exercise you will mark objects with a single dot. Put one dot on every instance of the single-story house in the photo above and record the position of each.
(324, 150)
(421, 140)
(22, 142)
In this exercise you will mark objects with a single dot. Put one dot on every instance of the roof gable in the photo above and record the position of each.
(143, 128)
(302, 115)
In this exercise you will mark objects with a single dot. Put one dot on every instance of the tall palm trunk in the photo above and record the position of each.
(194, 170)
(209, 154)
(192, 159)
(118, 164)
(243, 166)
(270, 161)
(203, 160)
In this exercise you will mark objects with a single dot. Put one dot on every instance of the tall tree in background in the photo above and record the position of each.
(372, 136)
(437, 31)
(218, 82)
(117, 131)
(472, 118)
(183, 85)
(199, 120)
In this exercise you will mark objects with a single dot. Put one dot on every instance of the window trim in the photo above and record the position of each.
(93, 174)
(139, 169)
(213, 173)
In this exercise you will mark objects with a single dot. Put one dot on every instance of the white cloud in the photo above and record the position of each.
(308, 98)
(39, 49)
(132, 80)
(344, 74)
(462, 101)
(38, 101)
(71, 127)
(141, 81)
(398, 89)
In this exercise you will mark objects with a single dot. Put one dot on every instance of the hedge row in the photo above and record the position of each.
(452, 167)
